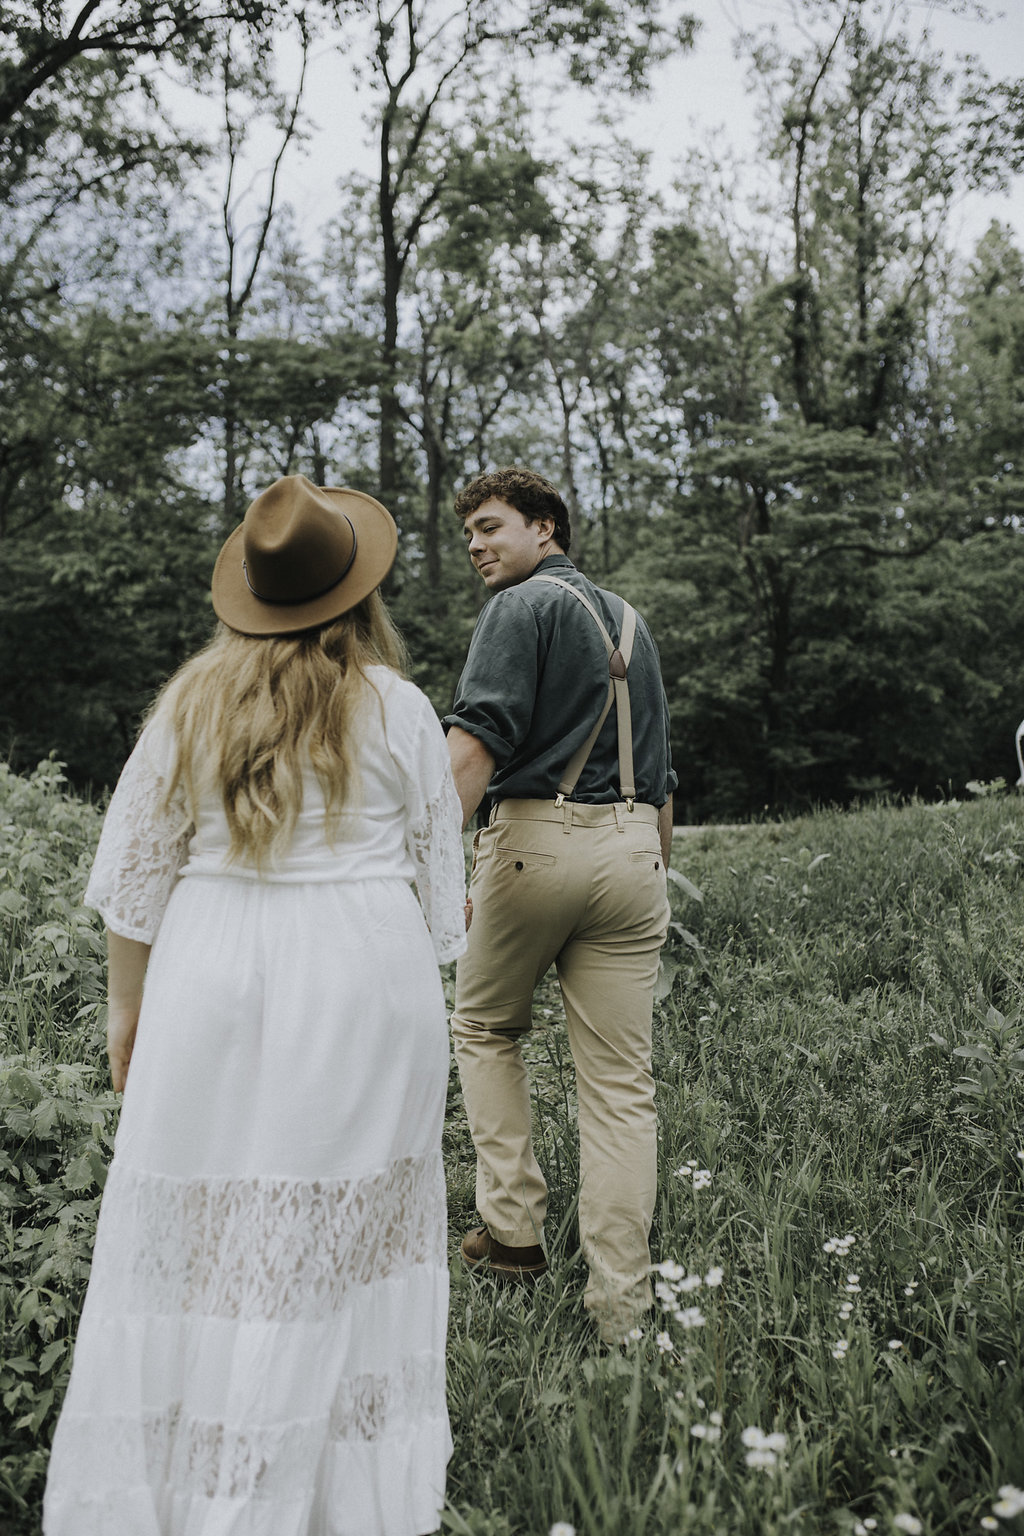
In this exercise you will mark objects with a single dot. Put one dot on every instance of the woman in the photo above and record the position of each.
(261, 1351)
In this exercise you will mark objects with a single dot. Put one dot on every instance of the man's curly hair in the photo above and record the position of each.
(523, 489)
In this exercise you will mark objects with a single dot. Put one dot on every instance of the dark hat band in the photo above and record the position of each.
(307, 597)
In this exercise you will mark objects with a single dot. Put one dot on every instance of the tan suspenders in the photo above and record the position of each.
(618, 690)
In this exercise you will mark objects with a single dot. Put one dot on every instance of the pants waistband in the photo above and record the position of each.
(574, 814)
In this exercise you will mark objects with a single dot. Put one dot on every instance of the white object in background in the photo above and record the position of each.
(1020, 752)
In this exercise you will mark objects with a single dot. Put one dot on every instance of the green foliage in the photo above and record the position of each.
(832, 1144)
(56, 1138)
(52, 954)
(839, 1053)
(57, 1113)
(791, 433)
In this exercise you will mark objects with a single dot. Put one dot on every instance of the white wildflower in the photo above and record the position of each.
(716, 1419)
(562, 1528)
(1010, 1503)
(839, 1349)
(690, 1317)
(909, 1523)
(635, 1335)
(708, 1432)
(664, 1342)
(839, 1245)
(668, 1269)
(989, 1524)
(895, 1343)
(690, 1283)
(714, 1276)
(762, 1450)
(701, 1178)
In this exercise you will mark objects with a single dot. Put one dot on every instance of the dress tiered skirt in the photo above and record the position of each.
(261, 1351)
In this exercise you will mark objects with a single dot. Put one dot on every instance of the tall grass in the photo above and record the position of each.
(840, 1056)
(840, 1225)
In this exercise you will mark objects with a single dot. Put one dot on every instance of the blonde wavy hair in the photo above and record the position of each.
(249, 713)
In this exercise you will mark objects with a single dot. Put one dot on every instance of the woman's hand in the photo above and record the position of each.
(126, 972)
(469, 912)
(122, 1022)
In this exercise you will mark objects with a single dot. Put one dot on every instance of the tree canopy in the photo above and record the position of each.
(788, 425)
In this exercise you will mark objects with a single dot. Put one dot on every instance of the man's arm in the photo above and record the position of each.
(472, 769)
(665, 830)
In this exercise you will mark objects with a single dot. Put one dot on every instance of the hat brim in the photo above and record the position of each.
(237, 606)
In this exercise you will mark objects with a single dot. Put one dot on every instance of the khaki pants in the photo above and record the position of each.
(583, 887)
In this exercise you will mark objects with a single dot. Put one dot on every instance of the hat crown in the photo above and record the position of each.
(303, 555)
(296, 543)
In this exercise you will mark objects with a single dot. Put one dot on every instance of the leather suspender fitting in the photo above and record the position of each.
(618, 692)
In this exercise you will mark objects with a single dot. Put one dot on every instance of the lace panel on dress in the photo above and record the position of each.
(259, 1462)
(281, 1250)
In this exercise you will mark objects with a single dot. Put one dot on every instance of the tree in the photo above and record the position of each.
(41, 43)
(242, 265)
(984, 432)
(424, 52)
(804, 466)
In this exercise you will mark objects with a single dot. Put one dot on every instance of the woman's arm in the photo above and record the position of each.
(126, 971)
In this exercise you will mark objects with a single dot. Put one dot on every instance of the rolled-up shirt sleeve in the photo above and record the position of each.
(497, 691)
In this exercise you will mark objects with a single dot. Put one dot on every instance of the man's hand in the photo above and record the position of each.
(472, 769)
(665, 830)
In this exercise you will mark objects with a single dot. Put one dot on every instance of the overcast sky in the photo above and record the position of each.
(700, 98)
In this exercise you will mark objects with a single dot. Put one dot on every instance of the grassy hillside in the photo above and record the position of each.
(840, 1058)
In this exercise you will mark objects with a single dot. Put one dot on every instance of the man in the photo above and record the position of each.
(570, 871)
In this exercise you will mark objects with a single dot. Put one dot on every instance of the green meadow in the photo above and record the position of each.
(839, 1052)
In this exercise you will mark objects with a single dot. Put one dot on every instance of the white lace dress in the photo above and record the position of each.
(261, 1351)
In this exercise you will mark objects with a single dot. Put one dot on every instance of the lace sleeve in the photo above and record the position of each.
(435, 841)
(143, 843)
(434, 820)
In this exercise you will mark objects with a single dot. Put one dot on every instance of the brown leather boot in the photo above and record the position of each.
(518, 1266)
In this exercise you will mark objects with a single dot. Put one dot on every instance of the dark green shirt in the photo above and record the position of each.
(535, 682)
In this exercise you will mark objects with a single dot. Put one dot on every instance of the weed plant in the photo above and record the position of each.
(839, 1050)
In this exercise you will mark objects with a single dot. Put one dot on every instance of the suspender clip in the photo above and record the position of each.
(559, 802)
(629, 806)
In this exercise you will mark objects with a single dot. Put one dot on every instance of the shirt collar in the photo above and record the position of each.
(552, 563)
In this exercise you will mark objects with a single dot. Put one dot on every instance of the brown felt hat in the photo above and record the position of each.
(303, 555)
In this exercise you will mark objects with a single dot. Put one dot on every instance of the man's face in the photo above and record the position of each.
(503, 546)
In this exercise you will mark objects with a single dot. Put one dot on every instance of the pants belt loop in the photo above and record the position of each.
(567, 817)
(619, 823)
(494, 812)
